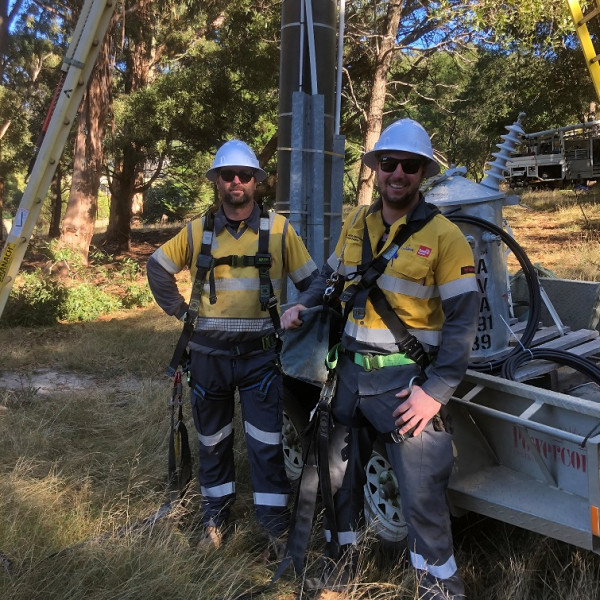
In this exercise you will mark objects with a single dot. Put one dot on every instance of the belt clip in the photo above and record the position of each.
(371, 361)
(397, 437)
(269, 341)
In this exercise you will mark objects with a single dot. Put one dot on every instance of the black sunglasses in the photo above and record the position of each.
(388, 164)
(229, 175)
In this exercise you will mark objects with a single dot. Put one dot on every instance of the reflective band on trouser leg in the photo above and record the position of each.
(266, 437)
(263, 419)
(444, 571)
(271, 499)
(215, 438)
(218, 491)
(344, 537)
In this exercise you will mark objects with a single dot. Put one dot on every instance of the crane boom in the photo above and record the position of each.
(77, 66)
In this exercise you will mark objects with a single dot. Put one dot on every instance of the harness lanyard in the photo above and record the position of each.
(180, 457)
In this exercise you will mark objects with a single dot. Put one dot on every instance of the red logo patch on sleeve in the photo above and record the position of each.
(423, 251)
(466, 270)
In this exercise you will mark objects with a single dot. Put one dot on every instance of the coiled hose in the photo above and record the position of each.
(521, 354)
(533, 288)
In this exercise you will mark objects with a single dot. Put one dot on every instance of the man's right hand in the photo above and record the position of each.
(290, 318)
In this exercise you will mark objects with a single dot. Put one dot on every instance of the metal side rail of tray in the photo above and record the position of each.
(527, 456)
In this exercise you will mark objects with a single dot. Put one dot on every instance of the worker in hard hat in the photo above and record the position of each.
(411, 306)
(238, 255)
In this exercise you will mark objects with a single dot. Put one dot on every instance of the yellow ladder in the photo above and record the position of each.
(77, 66)
(592, 58)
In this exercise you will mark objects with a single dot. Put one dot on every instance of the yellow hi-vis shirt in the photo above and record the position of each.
(434, 265)
(237, 313)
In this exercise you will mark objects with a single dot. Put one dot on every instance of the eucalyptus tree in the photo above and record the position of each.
(392, 47)
(30, 49)
(211, 74)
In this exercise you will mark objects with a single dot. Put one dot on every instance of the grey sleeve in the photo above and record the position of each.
(164, 289)
(458, 333)
(313, 296)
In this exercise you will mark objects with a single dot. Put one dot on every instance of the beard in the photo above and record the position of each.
(402, 202)
(237, 201)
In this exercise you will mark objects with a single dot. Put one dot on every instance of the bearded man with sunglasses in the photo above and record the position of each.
(239, 256)
(411, 304)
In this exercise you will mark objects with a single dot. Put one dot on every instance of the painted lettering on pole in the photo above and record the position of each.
(483, 339)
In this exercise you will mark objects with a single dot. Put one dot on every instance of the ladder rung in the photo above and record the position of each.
(589, 17)
(595, 59)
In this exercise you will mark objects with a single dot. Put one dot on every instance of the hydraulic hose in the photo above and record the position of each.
(562, 357)
(521, 354)
(533, 287)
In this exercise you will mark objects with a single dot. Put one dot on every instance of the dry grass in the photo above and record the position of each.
(79, 469)
(559, 231)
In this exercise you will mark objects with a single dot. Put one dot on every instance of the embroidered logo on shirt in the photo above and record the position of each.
(466, 270)
(423, 251)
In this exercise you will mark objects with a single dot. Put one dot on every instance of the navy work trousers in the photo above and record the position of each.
(214, 381)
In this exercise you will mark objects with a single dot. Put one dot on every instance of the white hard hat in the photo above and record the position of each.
(408, 136)
(235, 153)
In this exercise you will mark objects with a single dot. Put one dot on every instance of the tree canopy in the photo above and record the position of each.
(184, 77)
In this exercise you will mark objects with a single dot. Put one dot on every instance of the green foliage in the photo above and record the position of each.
(36, 301)
(44, 300)
(86, 302)
(136, 294)
(67, 290)
(171, 198)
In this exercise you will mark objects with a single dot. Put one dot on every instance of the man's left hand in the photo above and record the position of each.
(416, 411)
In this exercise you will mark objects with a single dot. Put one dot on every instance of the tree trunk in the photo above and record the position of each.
(82, 206)
(387, 42)
(56, 204)
(140, 55)
(121, 201)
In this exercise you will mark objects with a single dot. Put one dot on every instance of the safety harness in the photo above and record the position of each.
(205, 265)
(355, 298)
(315, 473)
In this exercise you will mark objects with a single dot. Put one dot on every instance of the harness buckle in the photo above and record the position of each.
(269, 341)
(372, 361)
(414, 350)
(205, 262)
(397, 437)
(358, 312)
(262, 260)
(238, 261)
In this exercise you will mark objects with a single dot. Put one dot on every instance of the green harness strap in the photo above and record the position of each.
(367, 361)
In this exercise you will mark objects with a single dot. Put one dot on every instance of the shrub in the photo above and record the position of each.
(37, 301)
(87, 302)
(170, 199)
(137, 294)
